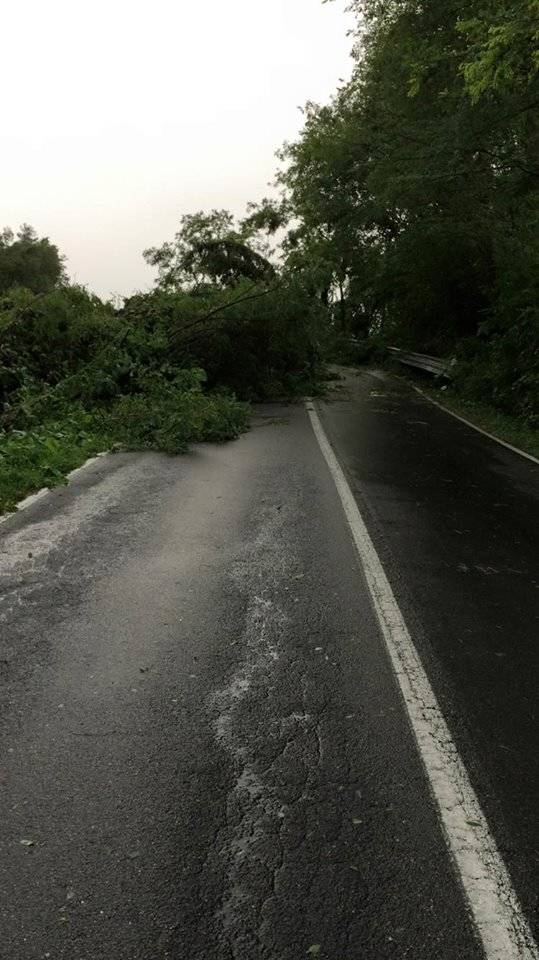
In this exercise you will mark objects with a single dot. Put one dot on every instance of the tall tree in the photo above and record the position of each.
(409, 183)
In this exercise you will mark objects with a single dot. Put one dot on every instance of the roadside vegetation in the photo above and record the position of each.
(416, 192)
(168, 368)
(405, 214)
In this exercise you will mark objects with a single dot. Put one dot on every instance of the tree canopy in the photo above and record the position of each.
(211, 249)
(28, 261)
(416, 188)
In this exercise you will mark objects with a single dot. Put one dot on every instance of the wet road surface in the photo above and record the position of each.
(455, 520)
(204, 751)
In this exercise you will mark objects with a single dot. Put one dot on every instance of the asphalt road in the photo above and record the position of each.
(204, 751)
(455, 519)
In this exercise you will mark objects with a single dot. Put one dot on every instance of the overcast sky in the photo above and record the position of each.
(123, 114)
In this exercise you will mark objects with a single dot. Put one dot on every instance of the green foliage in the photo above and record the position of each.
(261, 342)
(503, 370)
(27, 261)
(77, 377)
(226, 308)
(503, 47)
(163, 419)
(169, 419)
(44, 454)
(269, 216)
(210, 249)
(414, 194)
(49, 336)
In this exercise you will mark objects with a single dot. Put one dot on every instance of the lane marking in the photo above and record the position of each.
(494, 906)
(474, 426)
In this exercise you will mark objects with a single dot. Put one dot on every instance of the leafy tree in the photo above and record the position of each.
(415, 190)
(28, 261)
(503, 47)
(210, 249)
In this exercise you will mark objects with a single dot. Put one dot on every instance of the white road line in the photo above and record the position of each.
(493, 903)
(474, 426)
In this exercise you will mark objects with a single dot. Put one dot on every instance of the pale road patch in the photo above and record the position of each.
(498, 917)
(262, 568)
(24, 548)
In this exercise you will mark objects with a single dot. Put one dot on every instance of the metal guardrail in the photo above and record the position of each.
(440, 368)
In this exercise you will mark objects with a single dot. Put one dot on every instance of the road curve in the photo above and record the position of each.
(204, 751)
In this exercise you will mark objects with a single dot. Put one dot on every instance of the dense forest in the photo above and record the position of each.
(405, 213)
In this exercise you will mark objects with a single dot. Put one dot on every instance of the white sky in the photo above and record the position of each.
(123, 114)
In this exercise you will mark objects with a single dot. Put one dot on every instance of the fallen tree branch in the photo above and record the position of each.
(245, 298)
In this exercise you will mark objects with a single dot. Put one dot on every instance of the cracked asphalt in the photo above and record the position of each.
(204, 752)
